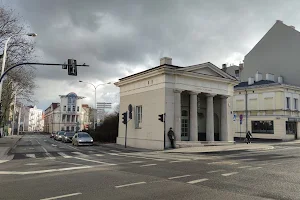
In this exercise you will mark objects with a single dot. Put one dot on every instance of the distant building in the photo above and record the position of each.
(35, 120)
(269, 106)
(68, 115)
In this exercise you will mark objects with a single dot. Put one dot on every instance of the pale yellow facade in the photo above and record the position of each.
(267, 103)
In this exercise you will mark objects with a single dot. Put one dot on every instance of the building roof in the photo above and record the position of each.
(85, 105)
(258, 83)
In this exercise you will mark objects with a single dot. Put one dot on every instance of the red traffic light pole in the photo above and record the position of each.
(27, 63)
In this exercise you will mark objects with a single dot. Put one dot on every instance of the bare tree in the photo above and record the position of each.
(20, 49)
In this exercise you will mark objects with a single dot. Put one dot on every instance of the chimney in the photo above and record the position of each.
(280, 21)
(166, 61)
(293, 27)
(224, 67)
(258, 76)
(270, 77)
(280, 79)
(250, 81)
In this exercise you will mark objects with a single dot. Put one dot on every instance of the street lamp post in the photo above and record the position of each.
(95, 87)
(4, 55)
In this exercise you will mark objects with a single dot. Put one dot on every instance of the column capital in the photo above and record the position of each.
(177, 91)
(210, 95)
(194, 93)
(224, 96)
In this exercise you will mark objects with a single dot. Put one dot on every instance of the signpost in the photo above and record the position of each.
(241, 121)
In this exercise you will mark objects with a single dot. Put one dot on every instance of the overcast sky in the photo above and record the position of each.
(119, 38)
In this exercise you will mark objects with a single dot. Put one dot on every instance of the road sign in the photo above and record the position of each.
(234, 117)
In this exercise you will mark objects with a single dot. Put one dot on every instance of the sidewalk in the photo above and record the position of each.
(6, 143)
(233, 147)
(120, 147)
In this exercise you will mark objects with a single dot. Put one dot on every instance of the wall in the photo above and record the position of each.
(278, 50)
(150, 94)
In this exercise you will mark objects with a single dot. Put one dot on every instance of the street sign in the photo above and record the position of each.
(234, 117)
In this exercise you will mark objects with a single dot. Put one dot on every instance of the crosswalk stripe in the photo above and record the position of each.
(113, 154)
(254, 168)
(242, 167)
(229, 174)
(64, 155)
(50, 156)
(197, 181)
(30, 155)
(98, 155)
(78, 153)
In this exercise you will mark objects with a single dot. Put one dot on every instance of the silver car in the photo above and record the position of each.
(82, 138)
(59, 135)
(68, 136)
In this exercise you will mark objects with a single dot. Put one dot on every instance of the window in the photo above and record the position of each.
(138, 118)
(69, 108)
(262, 127)
(65, 107)
(74, 108)
(296, 104)
(288, 103)
(291, 128)
(68, 118)
(77, 108)
(237, 73)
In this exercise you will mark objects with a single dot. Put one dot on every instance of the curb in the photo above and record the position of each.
(13, 147)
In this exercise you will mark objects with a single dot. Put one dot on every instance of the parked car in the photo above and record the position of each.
(59, 135)
(82, 138)
(68, 136)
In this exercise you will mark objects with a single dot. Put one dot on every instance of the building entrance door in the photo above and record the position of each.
(184, 125)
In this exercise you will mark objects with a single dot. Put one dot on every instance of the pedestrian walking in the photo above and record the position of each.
(171, 136)
(248, 136)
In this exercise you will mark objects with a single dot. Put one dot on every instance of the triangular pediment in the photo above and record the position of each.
(207, 69)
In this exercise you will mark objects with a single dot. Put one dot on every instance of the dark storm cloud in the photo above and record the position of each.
(116, 37)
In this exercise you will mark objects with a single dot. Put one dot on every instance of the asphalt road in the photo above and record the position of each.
(46, 169)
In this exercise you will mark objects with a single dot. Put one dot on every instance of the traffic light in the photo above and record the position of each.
(124, 118)
(130, 111)
(161, 117)
(72, 67)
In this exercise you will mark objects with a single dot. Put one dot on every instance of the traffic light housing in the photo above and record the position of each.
(72, 67)
(130, 111)
(161, 117)
(124, 121)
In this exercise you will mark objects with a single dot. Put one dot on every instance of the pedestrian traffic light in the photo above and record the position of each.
(161, 118)
(124, 118)
(72, 67)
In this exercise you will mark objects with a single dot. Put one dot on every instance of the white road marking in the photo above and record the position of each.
(197, 181)
(130, 184)
(160, 159)
(98, 155)
(54, 145)
(254, 168)
(95, 161)
(50, 156)
(45, 140)
(276, 163)
(223, 162)
(115, 151)
(30, 155)
(44, 149)
(176, 177)
(44, 171)
(38, 142)
(113, 154)
(64, 155)
(242, 167)
(148, 165)
(80, 154)
(219, 170)
(3, 161)
(229, 174)
(138, 161)
(31, 164)
(179, 160)
(62, 196)
(31, 148)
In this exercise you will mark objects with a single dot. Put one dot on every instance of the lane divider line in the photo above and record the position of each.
(130, 184)
(197, 181)
(229, 174)
(147, 165)
(176, 177)
(62, 196)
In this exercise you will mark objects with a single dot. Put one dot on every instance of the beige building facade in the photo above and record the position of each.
(195, 100)
(270, 108)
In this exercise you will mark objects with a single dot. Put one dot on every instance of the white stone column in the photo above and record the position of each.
(193, 117)
(210, 133)
(224, 118)
(177, 114)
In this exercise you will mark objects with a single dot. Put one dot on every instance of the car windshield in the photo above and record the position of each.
(70, 134)
(83, 135)
(61, 133)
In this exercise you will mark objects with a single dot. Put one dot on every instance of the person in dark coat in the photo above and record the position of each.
(171, 136)
(248, 136)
